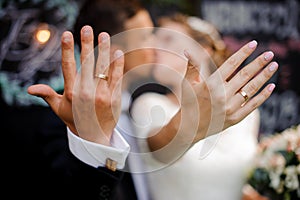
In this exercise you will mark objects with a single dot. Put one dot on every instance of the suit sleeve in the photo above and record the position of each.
(96, 154)
(65, 175)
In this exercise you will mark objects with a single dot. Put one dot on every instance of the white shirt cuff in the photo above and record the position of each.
(95, 154)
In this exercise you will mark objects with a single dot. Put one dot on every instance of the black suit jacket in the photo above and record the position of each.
(37, 162)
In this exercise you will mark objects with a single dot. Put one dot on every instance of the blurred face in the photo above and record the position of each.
(137, 40)
(171, 63)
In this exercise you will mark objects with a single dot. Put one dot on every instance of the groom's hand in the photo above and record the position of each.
(91, 102)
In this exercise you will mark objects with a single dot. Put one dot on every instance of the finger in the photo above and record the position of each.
(249, 71)
(255, 102)
(87, 55)
(103, 60)
(188, 95)
(117, 71)
(233, 62)
(254, 85)
(68, 61)
(192, 73)
(46, 93)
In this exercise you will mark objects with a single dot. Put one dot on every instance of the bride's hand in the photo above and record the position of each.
(228, 95)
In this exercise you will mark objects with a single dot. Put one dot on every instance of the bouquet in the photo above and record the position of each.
(276, 173)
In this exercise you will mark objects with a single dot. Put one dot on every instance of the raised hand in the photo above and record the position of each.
(210, 105)
(91, 102)
(228, 95)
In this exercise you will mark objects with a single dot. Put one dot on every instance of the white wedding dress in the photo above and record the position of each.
(220, 175)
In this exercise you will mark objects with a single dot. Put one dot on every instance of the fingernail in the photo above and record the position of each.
(273, 66)
(252, 44)
(66, 37)
(104, 37)
(186, 53)
(118, 53)
(86, 31)
(268, 55)
(271, 87)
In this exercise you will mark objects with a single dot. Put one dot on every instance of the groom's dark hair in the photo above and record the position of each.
(105, 16)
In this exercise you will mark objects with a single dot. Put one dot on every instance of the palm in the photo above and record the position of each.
(64, 111)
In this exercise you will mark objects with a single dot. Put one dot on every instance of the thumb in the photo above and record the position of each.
(192, 73)
(191, 77)
(47, 93)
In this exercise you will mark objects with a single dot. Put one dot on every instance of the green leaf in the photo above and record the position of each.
(259, 179)
(290, 157)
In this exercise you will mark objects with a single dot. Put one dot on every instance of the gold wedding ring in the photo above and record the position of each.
(244, 94)
(102, 76)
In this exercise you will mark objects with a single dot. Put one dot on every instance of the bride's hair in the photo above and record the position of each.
(203, 32)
